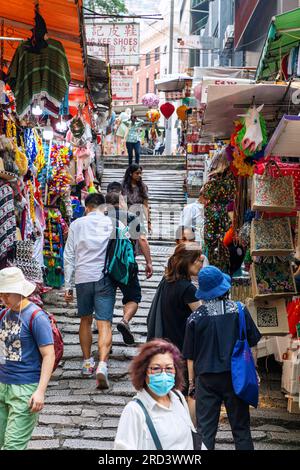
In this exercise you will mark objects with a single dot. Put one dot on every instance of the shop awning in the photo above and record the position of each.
(174, 82)
(283, 35)
(225, 103)
(285, 140)
(62, 18)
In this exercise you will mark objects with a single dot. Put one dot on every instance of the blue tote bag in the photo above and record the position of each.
(244, 378)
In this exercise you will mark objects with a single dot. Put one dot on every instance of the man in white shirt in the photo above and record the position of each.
(192, 217)
(84, 256)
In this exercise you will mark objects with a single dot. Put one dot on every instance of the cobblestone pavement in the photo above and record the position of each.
(77, 416)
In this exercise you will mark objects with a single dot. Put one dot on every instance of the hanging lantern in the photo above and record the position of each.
(153, 115)
(198, 92)
(181, 112)
(167, 110)
(150, 100)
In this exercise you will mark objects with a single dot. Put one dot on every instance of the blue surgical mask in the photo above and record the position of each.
(161, 384)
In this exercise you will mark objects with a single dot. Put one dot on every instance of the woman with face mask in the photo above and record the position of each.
(158, 416)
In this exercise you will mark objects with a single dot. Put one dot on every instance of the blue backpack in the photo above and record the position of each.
(244, 377)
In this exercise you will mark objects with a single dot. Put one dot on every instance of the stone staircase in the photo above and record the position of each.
(77, 416)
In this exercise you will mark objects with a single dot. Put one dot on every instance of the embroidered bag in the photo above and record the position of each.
(270, 316)
(271, 237)
(272, 279)
(273, 194)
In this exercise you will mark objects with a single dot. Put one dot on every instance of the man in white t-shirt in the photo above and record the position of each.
(192, 217)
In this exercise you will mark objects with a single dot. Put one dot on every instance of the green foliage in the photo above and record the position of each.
(109, 7)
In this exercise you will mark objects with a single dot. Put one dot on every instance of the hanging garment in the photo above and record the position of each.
(36, 76)
(7, 220)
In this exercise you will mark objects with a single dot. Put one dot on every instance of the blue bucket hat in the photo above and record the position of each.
(213, 283)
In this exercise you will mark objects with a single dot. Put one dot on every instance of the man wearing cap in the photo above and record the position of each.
(211, 334)
(26, 360)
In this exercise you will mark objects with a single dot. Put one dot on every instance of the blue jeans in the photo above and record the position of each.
(136, 147)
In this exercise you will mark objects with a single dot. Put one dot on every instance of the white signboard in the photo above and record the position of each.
(199, 42)
(122, 86)
(220, 81)
(122, 39)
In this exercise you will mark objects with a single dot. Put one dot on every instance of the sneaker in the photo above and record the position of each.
(124, 329)
(102, 376)
(88, 367)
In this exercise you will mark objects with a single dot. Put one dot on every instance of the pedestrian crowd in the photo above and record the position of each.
(182, 374)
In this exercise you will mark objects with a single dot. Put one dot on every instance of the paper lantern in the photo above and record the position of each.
(153, 115)
(181, 112)
(167, 110)
(198, 92)
(150, 100)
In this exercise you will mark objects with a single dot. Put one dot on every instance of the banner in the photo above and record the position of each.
(120, 40)
(122, 85)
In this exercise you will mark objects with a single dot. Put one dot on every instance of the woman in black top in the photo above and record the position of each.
(178, 294)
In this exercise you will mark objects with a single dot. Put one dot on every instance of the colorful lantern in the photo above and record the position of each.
(153, 115)
(167, 110)
(150, 100)
(181, 112)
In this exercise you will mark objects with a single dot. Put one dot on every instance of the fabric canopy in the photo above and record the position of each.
(283, 35)
(62, 18)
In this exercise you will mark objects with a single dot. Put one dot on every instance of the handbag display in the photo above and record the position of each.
(271, 237)
(243, 372)
(273, 194)
(270, 316)
(272, 279)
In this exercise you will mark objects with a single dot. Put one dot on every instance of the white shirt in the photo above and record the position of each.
(193, 216)
(86, 247)
(173, 425)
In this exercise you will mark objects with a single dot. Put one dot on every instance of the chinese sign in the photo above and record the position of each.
(220, 81)
(122, 85)
(121, 39)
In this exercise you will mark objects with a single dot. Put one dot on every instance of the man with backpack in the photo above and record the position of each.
(132, 294)
(27, 359)
(85, 256)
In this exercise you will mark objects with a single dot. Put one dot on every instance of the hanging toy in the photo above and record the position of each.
(167, 110)
(253, 135)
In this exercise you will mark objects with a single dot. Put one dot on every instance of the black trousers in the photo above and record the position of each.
(136, 147)
(211, 391)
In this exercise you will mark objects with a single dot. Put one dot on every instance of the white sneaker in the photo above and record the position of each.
(102, 376)
(88, 367)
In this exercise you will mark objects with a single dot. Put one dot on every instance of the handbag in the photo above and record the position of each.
(272, 279)
(243, 372)
(270, 316)
(271, 194)
(271, 237)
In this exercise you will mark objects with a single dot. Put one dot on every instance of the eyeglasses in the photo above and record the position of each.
(159, 370)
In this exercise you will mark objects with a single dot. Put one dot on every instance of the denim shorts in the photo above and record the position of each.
(98, 297)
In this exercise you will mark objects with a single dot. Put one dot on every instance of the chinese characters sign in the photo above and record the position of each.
(122, 39)
(122, 85)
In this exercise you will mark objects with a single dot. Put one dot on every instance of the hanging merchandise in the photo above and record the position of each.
(26, 262)
(167, 110)
(198, 92)
(252, 137)
(293, 310)
(271, 237)
(150, 100)
(153, 115)
(20, 154)
(182, 112)
(273, 194)
(7, 222)
(60, 178)
(273, 279)
(270, 316)
(39, 71)
(53, 248)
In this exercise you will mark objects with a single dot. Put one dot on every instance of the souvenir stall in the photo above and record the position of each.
(47, 150)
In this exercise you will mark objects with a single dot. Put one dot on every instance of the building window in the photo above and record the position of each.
(147, 85)
(148, 59)
(156, 77)
(157, 54)
(137, 92)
